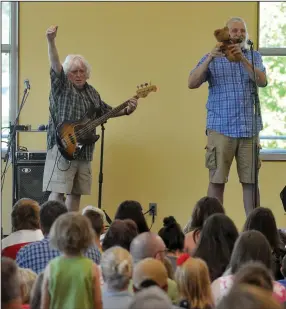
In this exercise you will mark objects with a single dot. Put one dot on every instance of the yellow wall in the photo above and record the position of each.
(156, 155)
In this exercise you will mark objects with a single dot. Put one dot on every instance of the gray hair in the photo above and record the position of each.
(71, 233)
(72, 59)
(239, 20)
(116, 266)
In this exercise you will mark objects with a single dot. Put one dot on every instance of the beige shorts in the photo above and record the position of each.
(69, 177)
(221, 150)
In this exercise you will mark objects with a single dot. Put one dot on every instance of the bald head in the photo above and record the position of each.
(147, 245)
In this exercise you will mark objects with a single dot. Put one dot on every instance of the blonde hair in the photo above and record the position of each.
(116, 266)
(27, 279)
(76, 59)
(72, 233)
(194, 284)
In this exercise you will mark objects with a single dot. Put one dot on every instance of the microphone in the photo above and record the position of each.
(27, 84)
(249, 42)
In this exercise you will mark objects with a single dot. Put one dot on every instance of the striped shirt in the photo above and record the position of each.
(230, 104)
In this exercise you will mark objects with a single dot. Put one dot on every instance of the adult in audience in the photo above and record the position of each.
(262, 219)
(97, 225)
(27, 279)
(173, 238)
(36, 293)
(248, 297)
(150, 245)
(132, 210)
(151, 298)
(25, 227)
(36, 256)
(254, 273)
(71, 281)
(193, 280)
(116, 267)
(10, 285)
(250, 246)
(216, 243)
(121, 233)
(203, 209)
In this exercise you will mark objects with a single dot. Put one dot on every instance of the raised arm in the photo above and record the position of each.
(199, 74)
(52, 49)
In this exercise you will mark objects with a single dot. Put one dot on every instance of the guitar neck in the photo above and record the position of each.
(98, 121)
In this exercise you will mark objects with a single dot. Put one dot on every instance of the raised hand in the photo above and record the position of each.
(51, 33)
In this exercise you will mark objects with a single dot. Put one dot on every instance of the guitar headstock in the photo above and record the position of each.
(145, 89)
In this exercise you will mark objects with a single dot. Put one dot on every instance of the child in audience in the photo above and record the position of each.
(193, 280)
(27, 279)
(71, 281)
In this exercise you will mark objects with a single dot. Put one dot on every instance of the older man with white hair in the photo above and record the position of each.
(230, 113)
(71, 98)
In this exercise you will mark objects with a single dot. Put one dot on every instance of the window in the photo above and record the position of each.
(9, 62)
(272, 46)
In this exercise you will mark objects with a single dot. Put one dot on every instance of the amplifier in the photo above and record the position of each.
(23, 156)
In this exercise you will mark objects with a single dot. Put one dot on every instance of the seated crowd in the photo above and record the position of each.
(69, 260)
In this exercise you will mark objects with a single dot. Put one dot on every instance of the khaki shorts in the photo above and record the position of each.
(69, 177)
(221, 150)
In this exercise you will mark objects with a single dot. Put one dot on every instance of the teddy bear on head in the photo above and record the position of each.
(224, 40)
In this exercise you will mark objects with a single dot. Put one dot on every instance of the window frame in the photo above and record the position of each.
(270, 154)
(13, 50)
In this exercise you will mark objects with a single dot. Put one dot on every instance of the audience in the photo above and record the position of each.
(27, 279)
(173, 238)
(120, 233)
(25, 227)
(193, 280)
(132, 210)
(151, 298)
(203, 209)
(216, 243)
(37, 255)
(57, 253)
(36, 293)
(71, 281)
(10, 285)
(250, 246)
(254, 273)
(248, 297)
(116, 267)
(150, 245)
(262, 219)
(149, 272)
(283, 271)
(97, 223)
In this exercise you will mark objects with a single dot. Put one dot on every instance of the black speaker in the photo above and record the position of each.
(29, 181)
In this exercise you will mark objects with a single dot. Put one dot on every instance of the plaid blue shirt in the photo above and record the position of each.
(37, 255)
(230, 105)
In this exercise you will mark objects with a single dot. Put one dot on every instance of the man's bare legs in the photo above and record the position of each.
(216, 190)
(248, 197)
(72, 201)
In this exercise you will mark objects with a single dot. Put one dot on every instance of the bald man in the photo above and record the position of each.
(150, 245)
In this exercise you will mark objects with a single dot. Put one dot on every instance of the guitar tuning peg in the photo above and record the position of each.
(146, 84)
(142, 85)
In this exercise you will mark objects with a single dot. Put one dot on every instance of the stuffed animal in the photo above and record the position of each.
(223, 38)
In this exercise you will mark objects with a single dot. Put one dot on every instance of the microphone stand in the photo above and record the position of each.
(100, 176)
(11, 148)
(257, 112)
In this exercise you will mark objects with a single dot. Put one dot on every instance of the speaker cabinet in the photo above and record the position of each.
(29, 181)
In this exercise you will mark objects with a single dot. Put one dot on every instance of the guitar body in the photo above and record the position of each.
(71, 137)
